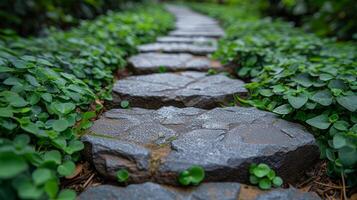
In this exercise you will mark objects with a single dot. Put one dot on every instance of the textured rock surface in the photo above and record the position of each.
(152, 191)
(196, 49)
(288, 194)
(158, 144)
(206, 191)
(151, 63)
(179, 89)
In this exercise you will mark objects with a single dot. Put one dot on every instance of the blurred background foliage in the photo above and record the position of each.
(333, 18)
(34, 17)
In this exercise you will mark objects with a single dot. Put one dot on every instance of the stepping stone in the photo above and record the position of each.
(182, 89)
(156, 145)
(188, 33)
(152, 191)
(177, 48)
(205, 191)
(196, 40)
(152, 62)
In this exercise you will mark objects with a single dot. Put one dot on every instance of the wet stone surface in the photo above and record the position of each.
(155, 145)
(152, 62)
(196, 49)
(182, 89)
(206, 191)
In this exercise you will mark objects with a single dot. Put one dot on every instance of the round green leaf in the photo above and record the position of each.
(261, 170)
(60, 125)
(53, 156)
(338, 141)
(277, 181)
(11, 165)
(124, 104)
(122, 175)
(253, 179)
(66, 169)
(264, 184)
(40, 176)
(51, 188)
(67, 194)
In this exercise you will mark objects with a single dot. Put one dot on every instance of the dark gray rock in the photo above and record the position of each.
(151, 62)
(152, 191)
(196, 49)
(195, 40)
(288, 194)
(158, 144)
(182, 89)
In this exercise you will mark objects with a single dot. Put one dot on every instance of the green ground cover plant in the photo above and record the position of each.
(297, 75)
(263, 176)
(49, 93)
(191, 176)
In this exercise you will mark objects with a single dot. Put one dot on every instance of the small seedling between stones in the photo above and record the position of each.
(192, 176)
(263, 176)
(124, 104)
(122, 175)
(162, 69)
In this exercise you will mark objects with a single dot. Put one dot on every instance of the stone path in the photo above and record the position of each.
(176, 120)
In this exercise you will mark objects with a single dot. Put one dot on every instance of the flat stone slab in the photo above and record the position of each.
(152, 191)
(206, 191)
(156, 145)
(181, 89)
(196, 49)
(190, 40)
(146, 63)
(193, 33)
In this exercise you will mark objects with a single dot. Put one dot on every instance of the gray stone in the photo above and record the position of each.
(156, 145)
(288, 194)
(194, 40)
(194, 33)
(151, 62)
(152, 191)
(182, 89)
(196, 49)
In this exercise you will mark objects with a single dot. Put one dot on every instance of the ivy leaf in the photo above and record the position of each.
(6, 112)
(348, 102)
(320, 121)
(283, 109)
(64, 108)
(14, 99)
(322, 97)
(298, 101)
